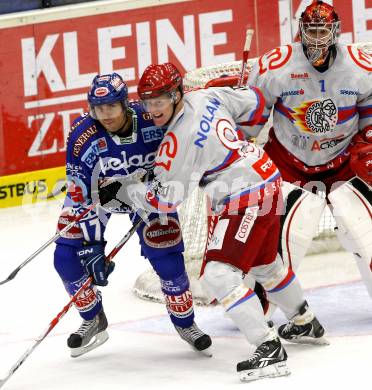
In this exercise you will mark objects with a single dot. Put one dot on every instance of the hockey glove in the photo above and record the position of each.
(109, 198)
(92, 258)
(361, 155)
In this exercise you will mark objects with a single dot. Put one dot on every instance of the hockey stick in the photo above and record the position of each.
(247, 47)
(55, 321)
(52, 194)
(50, 241)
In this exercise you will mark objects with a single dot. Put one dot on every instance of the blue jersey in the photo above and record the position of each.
(94, 154)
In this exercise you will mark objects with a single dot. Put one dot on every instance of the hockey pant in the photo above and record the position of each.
(239, 245)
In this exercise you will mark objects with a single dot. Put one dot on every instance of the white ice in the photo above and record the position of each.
(144, 351)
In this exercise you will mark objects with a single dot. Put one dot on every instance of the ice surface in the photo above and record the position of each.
(144, 351)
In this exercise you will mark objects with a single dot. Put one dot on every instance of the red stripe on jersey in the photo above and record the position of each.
(257, 113)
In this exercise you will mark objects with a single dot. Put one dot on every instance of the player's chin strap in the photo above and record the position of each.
(352, 210)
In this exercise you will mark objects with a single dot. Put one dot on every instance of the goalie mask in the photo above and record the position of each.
(319, 30)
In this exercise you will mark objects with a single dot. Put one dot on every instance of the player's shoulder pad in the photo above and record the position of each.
(82, 129)
(359, 57)
(144, 116)
(275, 58)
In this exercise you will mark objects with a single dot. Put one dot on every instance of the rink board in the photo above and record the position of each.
(50, 57)
(30, 187)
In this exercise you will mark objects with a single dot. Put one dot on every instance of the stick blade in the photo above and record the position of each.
(10, 277)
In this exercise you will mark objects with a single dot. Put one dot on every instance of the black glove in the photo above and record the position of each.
(93, 259)
(107, 192)
(109, 200)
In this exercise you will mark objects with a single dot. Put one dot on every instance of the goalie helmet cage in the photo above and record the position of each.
(193, 211)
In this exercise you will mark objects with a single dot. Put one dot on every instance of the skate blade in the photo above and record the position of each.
(206, 352)
(98, 339)
(271, 371)
(309, 340)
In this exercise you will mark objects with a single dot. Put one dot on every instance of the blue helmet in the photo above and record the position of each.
(107, 88)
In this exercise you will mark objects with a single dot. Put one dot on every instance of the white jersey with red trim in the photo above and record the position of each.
(315, 114)
(205, 146)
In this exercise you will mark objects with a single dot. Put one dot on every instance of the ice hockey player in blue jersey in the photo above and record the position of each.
(116, 138)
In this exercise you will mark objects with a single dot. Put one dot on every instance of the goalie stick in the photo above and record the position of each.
(58, 317)
(247, 47)
(50, 241)
(236, 79)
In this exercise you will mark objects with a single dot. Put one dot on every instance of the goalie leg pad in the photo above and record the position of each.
(241, 304)
(303, 211)
(352, 210)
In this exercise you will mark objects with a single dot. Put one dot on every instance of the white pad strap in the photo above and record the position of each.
(299, 223)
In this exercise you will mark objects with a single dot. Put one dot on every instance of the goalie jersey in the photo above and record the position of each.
(205, 146)
(315, 114)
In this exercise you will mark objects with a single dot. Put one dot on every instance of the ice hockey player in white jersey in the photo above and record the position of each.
(204, 146)
(320, 93)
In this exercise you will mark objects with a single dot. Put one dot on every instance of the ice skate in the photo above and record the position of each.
(304, 328)
(90, 335)
(268, 361)
(198, 340)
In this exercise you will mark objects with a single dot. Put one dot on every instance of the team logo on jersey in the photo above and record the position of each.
(298, 76)
(126, 162)
(246, 224)
(326, 143)
(348, 92)
(317, 117)
(292, 93)
(79, 143)
(299, 141)
(157, 235)
(152, 133)
(98, 146)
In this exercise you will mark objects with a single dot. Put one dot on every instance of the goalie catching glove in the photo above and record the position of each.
(361, 155)
(93, 259)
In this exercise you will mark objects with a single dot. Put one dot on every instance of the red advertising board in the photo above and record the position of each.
(46, 67)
